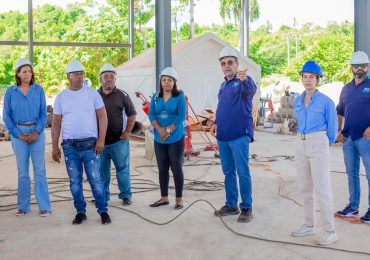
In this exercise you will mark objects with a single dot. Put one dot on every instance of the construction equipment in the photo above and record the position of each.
(262, 111)
(145, 102)
(188, 149)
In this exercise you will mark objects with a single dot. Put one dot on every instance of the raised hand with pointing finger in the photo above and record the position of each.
(242, 74)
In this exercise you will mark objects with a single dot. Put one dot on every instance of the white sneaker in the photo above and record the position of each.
(328, 238)
(304, 230)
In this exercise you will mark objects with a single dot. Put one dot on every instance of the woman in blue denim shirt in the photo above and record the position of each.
(317, 128)
(167, 113)
(25, 117)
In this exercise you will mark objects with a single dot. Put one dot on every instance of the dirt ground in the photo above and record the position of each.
(196, 234)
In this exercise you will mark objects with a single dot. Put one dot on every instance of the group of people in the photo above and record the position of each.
(319, 125)
(96, 127)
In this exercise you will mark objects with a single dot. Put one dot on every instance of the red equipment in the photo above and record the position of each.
(188, 150)
(145, 103)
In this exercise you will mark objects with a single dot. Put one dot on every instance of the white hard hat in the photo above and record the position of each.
(107, 67)
(227, 52)
(169, 71)
(74, 66)
(359, 57)
(21, 62)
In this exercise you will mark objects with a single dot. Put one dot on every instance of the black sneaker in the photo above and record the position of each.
(126, 202)
(225, 211)
(245, 215)
(80, 217)
(105, 219)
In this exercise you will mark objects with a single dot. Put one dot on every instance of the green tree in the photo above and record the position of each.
(191, 5)
(177, 13)
(52, 22)
(144, 12)
(331, 49)
(13, 26)
(234, 8)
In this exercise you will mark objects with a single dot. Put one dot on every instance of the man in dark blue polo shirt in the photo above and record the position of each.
(354, 109)
(117, 148)
(234, 131)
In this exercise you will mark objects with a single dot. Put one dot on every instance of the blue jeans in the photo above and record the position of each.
(352, 151)
(75, 158)
(36, 150)
(119, 153)
(235, 161)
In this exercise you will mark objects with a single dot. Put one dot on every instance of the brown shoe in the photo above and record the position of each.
(44, 213)
(126, 201)
(20, 213)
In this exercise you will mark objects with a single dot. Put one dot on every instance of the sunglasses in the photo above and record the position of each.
(229, 62)
(356, 66)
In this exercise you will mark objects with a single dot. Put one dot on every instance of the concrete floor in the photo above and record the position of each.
(196, 234)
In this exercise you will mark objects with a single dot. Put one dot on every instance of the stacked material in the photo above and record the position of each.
(4, 134)
(286, 110)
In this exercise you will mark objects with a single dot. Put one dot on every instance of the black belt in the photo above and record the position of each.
(26, 124)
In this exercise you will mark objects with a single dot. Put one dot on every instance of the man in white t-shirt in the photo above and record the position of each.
(80, 114)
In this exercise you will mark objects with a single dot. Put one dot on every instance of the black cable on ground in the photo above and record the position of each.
(213, 186)
(138, 185)
(238, 233)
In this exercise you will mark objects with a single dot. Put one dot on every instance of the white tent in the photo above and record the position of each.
(196, 62)
(332, 90)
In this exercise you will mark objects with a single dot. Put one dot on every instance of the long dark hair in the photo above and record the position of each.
(18, 79)
(175, 92)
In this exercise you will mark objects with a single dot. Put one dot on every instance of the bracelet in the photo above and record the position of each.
(168, 130)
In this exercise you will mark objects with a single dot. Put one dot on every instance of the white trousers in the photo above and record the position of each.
(312, 166)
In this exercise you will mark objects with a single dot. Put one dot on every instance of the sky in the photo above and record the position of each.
(277, 12)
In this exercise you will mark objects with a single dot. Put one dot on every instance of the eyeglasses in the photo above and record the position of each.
(356, 66)
(229, 62)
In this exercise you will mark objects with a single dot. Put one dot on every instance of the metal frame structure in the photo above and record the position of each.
(31, 43)
(163, 32)
(163, 51)
(245, 32)
(362, 28)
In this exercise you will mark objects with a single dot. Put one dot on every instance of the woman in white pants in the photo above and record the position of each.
(317, 128)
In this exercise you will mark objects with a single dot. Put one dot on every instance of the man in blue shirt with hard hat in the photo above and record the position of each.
(354, 110)
(233, 129)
